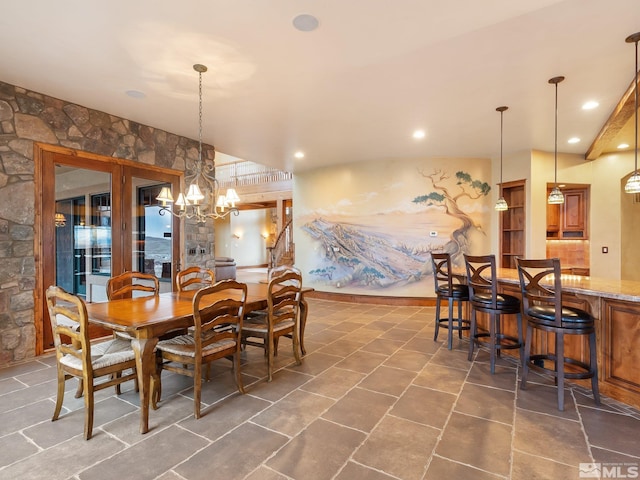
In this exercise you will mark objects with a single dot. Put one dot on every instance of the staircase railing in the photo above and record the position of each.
(283, 250)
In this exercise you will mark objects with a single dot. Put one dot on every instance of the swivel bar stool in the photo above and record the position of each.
(541, 286)
(452, 292)
(484, 297)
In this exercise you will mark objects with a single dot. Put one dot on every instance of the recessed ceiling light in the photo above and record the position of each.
(305, 22)
(418, 134)
(622, 146)
(573, 140)
(135, 94)
(591, 104)
(299, 154)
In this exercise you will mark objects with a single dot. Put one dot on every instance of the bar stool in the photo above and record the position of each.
(484, 297)
(541, 286)
(452, 292)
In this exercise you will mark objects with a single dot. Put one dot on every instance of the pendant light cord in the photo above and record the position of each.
(200, 116)
(635, 80)
(501, 126)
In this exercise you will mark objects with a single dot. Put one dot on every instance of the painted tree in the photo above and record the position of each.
(446, 197)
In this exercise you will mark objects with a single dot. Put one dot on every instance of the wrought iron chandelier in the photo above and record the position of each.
(202, 200)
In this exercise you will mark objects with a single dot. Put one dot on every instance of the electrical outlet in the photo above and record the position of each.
(605, 249)
(433, 233)
(192, 251)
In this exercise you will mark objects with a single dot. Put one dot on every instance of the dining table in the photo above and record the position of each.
(147, 318)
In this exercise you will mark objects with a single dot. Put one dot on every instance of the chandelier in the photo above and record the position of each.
(202, 200)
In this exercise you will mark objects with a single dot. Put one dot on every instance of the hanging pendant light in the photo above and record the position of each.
(202, 200)
(633, 184)
(556, 196)
(501, 204)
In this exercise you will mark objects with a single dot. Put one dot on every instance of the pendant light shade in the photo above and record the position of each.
(556, 196)
(633, 184)
(501, 204)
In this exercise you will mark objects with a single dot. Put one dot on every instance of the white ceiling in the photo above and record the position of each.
(352, 90)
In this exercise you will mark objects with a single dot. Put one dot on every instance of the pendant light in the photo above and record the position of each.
(633, 184)
(501, 204)
(556, 196)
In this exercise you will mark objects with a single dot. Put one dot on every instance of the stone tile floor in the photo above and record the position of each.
(375, 398)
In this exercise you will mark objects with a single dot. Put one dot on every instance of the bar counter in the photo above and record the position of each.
(616, 306)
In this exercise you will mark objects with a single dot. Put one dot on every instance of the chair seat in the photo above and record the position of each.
(103, 354)
(185, 345)
(457, 291)
(571, 317)
(260, 327)
(503, 301)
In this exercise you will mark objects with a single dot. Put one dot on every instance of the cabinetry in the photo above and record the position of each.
(512, 223)
(569, 219)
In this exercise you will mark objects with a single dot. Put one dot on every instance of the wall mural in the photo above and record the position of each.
(386, 251)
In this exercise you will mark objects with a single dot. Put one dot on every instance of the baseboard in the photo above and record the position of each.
(373, 299)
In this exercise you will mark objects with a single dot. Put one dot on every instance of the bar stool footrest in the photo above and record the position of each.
(465, 323)
(513, 341)
(539, 358)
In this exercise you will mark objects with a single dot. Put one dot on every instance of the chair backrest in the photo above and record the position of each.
(284, 296)
(481, 277)
(442, 277)
(281, 270)
(194, 277)
(68, 315)
(215, 309)
(541, 285)
(125, 284)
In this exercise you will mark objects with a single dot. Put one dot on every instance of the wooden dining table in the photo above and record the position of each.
(148, 318)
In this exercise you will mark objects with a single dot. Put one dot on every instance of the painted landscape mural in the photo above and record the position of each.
(379, 241)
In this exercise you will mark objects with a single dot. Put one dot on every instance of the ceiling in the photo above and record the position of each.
(352, 90)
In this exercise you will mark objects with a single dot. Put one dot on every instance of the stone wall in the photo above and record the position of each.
(27, 117)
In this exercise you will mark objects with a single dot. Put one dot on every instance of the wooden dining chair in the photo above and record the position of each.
(81, 358)
(281, 318)
(217, 323)
(132, 284)
(194, 277)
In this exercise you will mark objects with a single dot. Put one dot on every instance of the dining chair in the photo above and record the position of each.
(132, 284)
(541, 287)
(484, 297)
(449, 289)
(217, 323)
(194, 277)
(82, 358)
(281, 318)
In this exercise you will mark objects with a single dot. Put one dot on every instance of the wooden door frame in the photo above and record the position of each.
(45, 157)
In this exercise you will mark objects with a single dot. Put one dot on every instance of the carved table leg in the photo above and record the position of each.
(146, 367)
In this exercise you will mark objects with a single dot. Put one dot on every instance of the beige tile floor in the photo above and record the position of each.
(375, 398)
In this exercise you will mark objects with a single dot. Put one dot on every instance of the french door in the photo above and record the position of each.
(98, 217)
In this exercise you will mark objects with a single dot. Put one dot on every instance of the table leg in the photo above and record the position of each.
(304, 309)
(145, 365)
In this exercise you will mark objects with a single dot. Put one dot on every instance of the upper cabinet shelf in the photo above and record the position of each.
(569, 220)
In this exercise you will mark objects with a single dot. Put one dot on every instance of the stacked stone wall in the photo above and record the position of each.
(27, 117)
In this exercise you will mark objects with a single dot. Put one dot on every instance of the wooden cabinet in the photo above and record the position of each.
(569, 220)
(512, 223)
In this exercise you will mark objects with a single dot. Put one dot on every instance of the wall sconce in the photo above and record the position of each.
(236, 236)
(264, 235)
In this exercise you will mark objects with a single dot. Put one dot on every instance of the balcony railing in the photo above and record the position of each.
(243, 173)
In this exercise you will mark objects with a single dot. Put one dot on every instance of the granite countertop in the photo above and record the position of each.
(603, 287)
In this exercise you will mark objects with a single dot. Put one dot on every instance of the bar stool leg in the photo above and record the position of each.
(459, 318)
(492, 340)
(527, 356)
(520, 339)
(560, 369)
(450, 339)
(437, 329)
(472, 334)
(594, 367)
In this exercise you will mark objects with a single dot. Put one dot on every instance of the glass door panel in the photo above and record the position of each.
(83, 236)
(152, 233)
